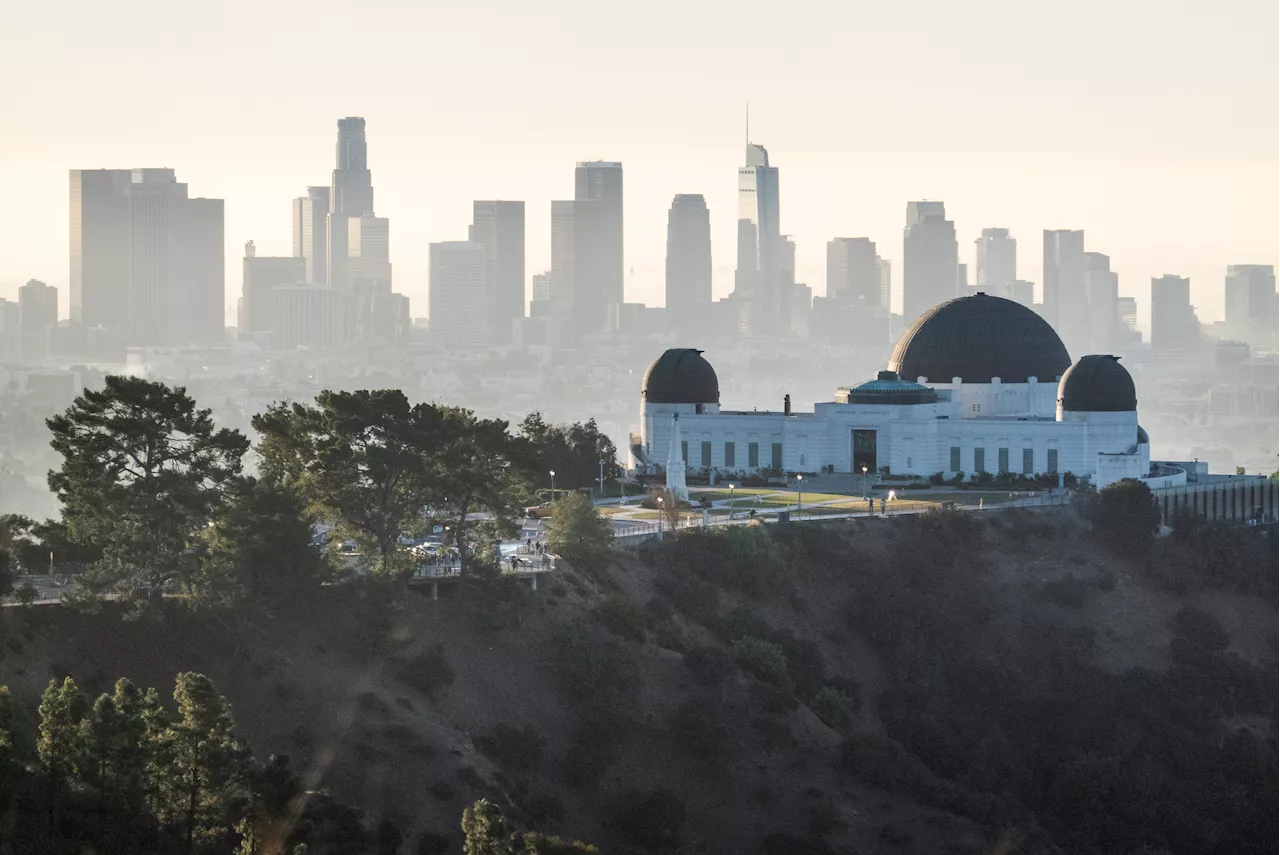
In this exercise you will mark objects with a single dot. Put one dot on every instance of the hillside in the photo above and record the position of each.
(1010, 685)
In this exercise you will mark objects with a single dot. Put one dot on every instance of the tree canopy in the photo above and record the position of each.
(572, 451)
(376, 466)
(578, 533)
(1126, 517)
(143, 472)
(359, 458)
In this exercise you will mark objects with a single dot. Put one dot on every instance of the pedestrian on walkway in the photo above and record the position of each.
(871, 506)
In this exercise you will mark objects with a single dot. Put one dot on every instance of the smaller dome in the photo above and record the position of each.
(1143, 438)
(1097, 383)
(681, 376)
(889, 388)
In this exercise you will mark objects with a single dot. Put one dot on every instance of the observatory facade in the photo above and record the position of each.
(976, 384)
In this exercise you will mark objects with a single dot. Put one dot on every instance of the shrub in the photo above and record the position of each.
(431, 843)
(742, 558)
(545, 810)
(427, 672)
(593, 749)
(667, 635)
(698, 731)
(651, 820)
(779, 843)
(594, 675)
(742, 622)
(622, 618)
(517, 749)
(937, 479)
(834, 708)
(763, 660)
(442, 791)
(26, 593)
(1126, 517)
(709, 664)
(805, 664)
(884, 763)
(1069, 590)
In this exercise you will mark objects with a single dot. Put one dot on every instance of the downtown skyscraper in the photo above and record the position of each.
(498, 226)
(1249, 293)
(38, 315)
(601, 181)
(758, 286)
(930, 266)
(688, 310)
(147, 260)
(853, 271)
(1174, 325)
(350, 197)
(586, 251)
(1102, 289)
(1066, 301)
(458, 306)
(311, 233)
(997, 256)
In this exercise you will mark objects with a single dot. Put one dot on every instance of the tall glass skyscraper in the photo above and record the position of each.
(351, 195)
(758, 282)
(352, 181)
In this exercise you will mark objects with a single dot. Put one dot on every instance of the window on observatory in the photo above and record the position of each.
(979, 460)
(753, 455)
(1028, 461)
(706, 455)
(1002, 460)
(955, 458)
(777, 456)
(729, 455)
(1053, 461)
(684, 450)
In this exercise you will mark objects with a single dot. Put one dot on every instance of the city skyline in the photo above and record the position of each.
(1152, 202)
(358, 249)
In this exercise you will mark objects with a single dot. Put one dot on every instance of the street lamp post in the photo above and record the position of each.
(799, 494)
(553, 483)
(601, 479)
(731, 486)
(864, 480)
(659, 518)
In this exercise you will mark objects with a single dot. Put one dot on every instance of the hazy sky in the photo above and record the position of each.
(1150, 125)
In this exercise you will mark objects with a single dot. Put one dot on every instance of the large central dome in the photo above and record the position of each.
(979, 338)
(681, 376)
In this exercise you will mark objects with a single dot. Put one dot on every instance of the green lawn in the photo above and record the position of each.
(717, 494)
(747, 498)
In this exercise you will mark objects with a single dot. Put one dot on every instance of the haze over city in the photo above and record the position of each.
(689, 427)
(1152, 126)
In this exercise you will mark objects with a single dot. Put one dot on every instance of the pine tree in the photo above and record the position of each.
(116, 746)
(8, 751)
(158, 758)
(578, 533)
(208, 763)
(60, 747)
(143, 472)
(485, 830)
(62, 710)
